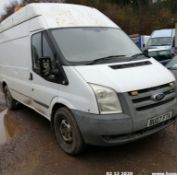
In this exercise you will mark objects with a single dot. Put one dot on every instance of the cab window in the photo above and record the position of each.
(41, 49)
(36, 51)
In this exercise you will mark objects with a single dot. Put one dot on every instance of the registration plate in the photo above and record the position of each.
(156, 120)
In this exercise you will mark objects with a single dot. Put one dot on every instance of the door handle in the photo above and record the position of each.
(30, 76)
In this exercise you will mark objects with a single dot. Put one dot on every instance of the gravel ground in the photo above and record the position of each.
(31, 149)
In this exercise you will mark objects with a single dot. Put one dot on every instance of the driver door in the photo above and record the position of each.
(43, 90)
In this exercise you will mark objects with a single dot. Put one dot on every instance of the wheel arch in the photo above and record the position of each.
(58, 103)
(55, 107)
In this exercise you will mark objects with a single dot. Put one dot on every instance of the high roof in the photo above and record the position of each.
(163, 33)
(59, 15)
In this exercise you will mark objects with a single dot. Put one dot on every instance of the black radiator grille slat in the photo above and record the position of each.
(144, 100)
(169, 92)
(129, 65)
(141, 99)
(153, 88)
(154, 105)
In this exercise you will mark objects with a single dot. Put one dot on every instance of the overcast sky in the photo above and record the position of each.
(5, 3)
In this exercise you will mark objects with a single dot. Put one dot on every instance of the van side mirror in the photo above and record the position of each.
(45, 66)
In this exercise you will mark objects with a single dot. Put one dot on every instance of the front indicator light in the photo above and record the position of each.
(134, 93)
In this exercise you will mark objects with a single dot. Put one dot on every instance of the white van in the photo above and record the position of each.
(78, 69)
(161, 45)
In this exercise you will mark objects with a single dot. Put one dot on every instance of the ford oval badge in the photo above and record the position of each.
(158, 97)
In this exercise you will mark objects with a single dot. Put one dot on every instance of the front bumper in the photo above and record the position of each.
(115, 129)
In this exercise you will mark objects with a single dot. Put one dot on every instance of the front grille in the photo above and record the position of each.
(144, 101)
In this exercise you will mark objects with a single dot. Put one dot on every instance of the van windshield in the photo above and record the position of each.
(83, 45)
(161, 41)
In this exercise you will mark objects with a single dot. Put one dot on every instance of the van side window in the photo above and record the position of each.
(41, 49)
(36, 51)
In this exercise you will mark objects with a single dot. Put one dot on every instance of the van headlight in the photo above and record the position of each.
(107, 99)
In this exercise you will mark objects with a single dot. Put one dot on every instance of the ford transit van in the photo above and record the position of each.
(77, 68)
(161, 45)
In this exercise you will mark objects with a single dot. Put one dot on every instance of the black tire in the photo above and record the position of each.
(67, 132)
(10, 102)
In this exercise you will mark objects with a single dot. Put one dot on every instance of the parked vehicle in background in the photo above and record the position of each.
(161, 45)
(172, 66)
(140, 40)
(77, 68)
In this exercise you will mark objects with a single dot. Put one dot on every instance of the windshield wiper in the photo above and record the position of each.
(108, 58)
(137, 56)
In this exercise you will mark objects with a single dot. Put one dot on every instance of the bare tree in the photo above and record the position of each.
(9, 10)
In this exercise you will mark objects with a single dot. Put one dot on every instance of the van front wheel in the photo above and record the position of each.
(10, 102)
(67, 132)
